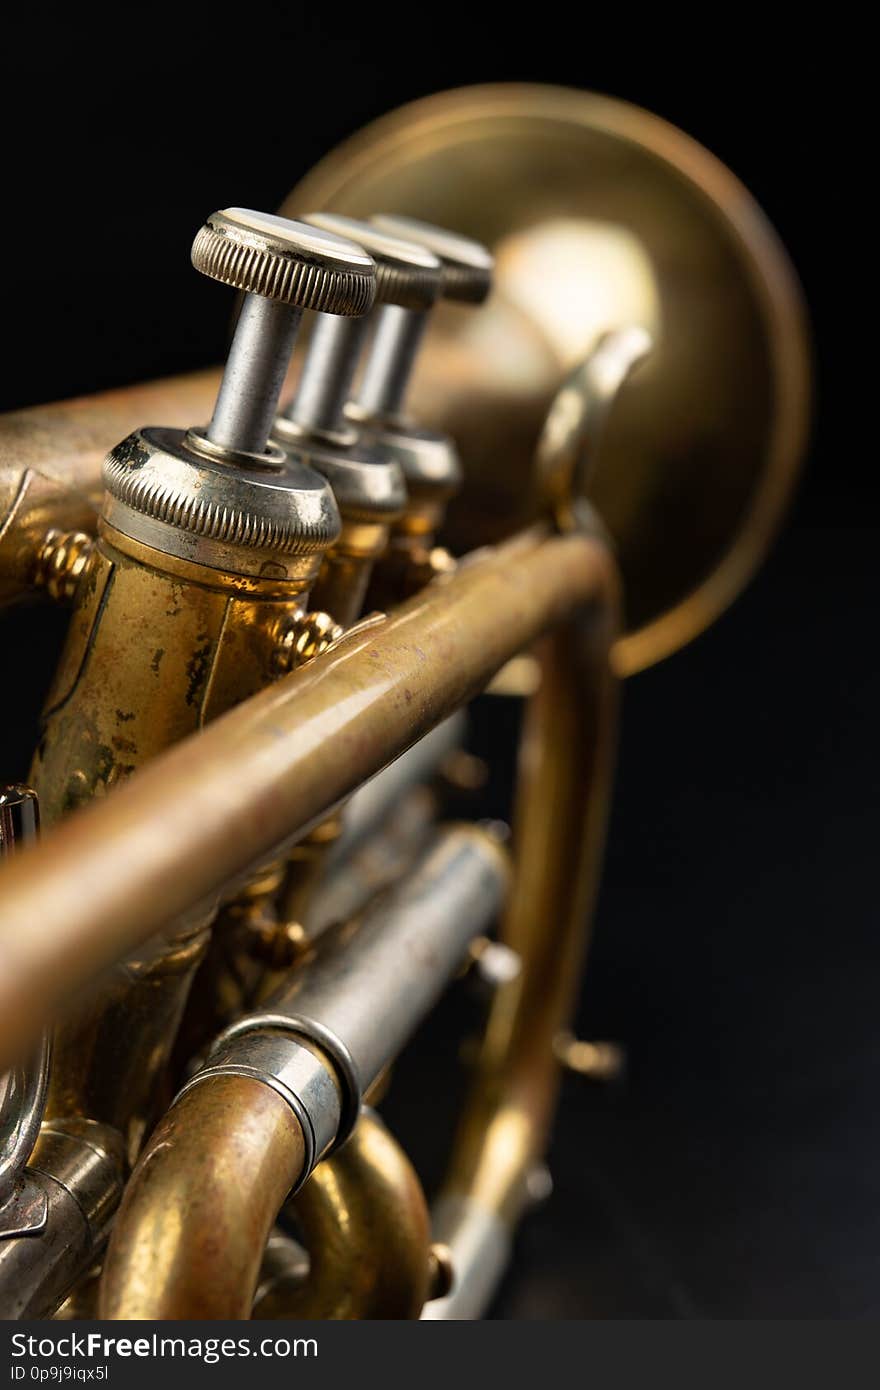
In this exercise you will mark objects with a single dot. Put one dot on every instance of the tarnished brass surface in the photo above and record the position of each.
(562, 795)
(609, 229)
(51, 456)
(600, 216)
(363, 1218)
(111, 1052)
(182, 828)
(150, 656)
(196, 1216)
(345, 573)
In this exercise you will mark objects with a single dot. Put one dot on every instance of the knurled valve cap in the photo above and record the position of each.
(283, 268)
(407, 273)
(367, 485)
(290, 262)
(467, 266)
(224, 497)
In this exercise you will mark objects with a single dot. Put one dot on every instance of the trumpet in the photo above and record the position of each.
(517, 393)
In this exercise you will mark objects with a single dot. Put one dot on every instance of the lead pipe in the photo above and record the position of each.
(195, 820)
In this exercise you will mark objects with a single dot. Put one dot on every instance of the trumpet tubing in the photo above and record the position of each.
(260, 863)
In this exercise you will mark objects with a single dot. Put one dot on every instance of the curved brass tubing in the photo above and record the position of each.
(197, 818)
(50, 462)
(197, 1213)
(363, 1218)
(566, 760)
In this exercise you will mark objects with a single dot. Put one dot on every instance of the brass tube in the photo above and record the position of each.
(51, 456)
(194, 820)
(363, 1218)
(193, 1225)
(559, 827)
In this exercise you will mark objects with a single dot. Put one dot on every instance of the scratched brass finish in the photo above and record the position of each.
(600, 216)
(342, 583)
(113, 1051)
(72, 905)
(222, 923)
(565, 767)
(220, 1165)
(51, 456)
(150, 657)
(363, 1218)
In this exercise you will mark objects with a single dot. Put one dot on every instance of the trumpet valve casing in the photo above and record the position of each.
(176, 611)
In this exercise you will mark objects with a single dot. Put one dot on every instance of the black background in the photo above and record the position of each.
(737, 1171)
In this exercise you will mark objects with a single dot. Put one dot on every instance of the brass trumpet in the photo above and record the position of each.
(550, 408)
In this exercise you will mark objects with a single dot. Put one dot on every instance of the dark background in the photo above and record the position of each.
(736, 1173)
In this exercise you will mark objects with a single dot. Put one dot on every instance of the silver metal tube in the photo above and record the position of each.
(373, 864)
(373, 802)
(38, 1271)
(247, 401)
(22, 1102)
(23, 1089)
(480, 1245)
(369, 992)
(19, 816)
(81, 1176)
(391, 359)
(364, 993)
(328, 373)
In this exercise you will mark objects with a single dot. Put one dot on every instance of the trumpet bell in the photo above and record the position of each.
(601, 216)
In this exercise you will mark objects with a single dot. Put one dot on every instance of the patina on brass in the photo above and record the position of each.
(601, 216)
(220, 1165)
(50, 463)
(152, 654)
(565, 766)
(326, 1037)
(363, 1218)
(206, 540)
(172, 837)
(608, 228)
